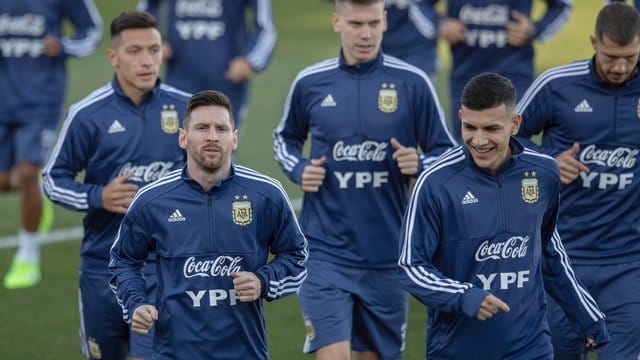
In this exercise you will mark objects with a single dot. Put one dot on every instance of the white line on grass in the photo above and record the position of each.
(54, 236)
(76, 233)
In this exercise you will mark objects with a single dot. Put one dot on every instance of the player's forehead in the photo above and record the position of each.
(143, 37)
(362, 13)
(210, 115)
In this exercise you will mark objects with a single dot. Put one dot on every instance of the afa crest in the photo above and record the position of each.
(241, 210)
(94, 348)
(388, 98)
(530, 190)
(169, 119)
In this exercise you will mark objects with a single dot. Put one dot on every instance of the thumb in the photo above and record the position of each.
(574, 149)
(153, 312)
(319, 162)
(395, 144)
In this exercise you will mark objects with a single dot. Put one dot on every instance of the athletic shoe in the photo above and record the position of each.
(22, 274)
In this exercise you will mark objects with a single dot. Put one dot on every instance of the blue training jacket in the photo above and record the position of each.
(205, 35)
(352, 112)
(32, 85)
(106, 135)
(200, 239)
(600, 210)
(467, 233)
(485, 47)
(412, 33)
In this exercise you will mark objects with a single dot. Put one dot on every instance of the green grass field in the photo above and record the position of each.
(42, 322)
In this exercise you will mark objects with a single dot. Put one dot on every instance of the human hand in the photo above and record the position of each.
(520, 31)
(239, 70)
(452, 30)
(313, 175)
(490, 306)
(117, 195)
(52, 46)
(570, 167)
(406, 157)
(247, 285)
(143, 318)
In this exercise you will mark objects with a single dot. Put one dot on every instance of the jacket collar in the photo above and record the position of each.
(118, 90)
(361, 68)
(216, 187)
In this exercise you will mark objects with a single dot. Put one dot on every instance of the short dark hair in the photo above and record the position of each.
(207, 98)
(132, 20)
(488, 90)
(357, 2)
(619, 22)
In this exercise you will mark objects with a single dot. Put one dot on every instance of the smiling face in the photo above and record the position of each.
(209, 139)
(360, 27)
(136, 55)
(486, 134)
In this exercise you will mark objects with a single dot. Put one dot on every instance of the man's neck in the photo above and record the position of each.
(208, 179)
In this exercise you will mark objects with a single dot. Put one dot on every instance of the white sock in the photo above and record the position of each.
(29, 249)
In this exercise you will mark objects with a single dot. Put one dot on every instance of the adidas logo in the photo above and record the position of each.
(115, 127)
(176, 216)
(469, 198)
(583, 107)
(328, 101)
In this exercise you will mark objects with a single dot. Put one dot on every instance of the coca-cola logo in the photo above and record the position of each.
(146, 173)
(495, 15)
(514, 247)
(366, 151)
(220, 266)
(195, 8)
(620, 157)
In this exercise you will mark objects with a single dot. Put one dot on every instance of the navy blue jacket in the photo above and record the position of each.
(200, 238)
(32, 85)
(206, 35)
(467, 233)
(106, 135)
(600, 210)
(412, 33)
(351, 113)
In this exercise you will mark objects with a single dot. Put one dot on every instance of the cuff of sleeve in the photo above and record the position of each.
(296, 174)
(95, 197)
(598, 332)
(263, 285)
(471, 301)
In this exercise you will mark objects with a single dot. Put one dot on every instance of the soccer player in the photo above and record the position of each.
(495, 36)
(122, 136)
(213, 225)
(412, 34)
(366, 113)
(479, 241)
(33, 81)
(217, 45)
(589, 115)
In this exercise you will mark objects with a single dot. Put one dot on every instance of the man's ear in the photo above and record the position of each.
(182, 138)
